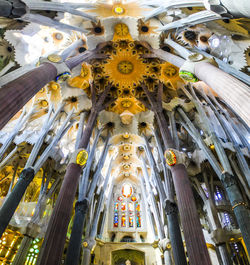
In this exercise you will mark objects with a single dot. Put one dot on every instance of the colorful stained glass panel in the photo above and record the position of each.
(123, 206)
(138, 220)
(116, 207)
(120, 198)
(123, 220)
(131, 221)
(133, 199)
(116, 220)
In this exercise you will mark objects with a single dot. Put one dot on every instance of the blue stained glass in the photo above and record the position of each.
(116, 219)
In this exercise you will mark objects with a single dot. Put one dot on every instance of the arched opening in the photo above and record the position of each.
(128, 239)
(128, 257)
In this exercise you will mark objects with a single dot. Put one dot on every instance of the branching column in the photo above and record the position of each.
(54, 240)
(10, 205)
(234, 92)
(195, 242)
(15, 94)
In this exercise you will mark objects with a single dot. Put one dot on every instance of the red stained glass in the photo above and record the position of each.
(120, 198)
(123, 206)
(137, 207)
(133, 199)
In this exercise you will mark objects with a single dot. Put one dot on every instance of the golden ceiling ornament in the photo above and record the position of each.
(131, 9)
(82, 81)
(125, 68)
(43, 103)
(126, 136)
(119, 9)
(126, 167)
(126, 103)
(126, 117)
(121, 32)
(126, 157)
(170, 74)
(126, 147)
(130, 104)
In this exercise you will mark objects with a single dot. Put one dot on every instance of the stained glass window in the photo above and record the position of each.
(138, 220)
(127, 210)
(116, 207)
(127, 190)
(133, 199)
(116, 220)
(131, 221)
(123, 220)
(123, 206)
(120, 198)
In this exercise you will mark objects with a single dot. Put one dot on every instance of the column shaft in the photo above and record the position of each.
(175, 234)
(54, 240)
(23, 250)
(195, 242)
(231, 90)
(86, 256)
(73, 251)
(10, 205)
(15, 94)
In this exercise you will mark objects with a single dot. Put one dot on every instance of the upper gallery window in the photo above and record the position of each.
(127, 208)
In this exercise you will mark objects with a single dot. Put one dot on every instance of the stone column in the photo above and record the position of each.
(73, 252)
(81, 209)
(21, 254)
(195, 242)
(15, 94)
(10, 205)
(231, 90)
(171, 211)
(53, 244)
(52, 248)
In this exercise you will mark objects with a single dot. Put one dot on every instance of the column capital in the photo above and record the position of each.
(187, 70)
(89, 243)
(82, 206)
(227, 179)
(170, 207)
(27, 174)
(79, 157)
(63, 72)
(175, 157)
